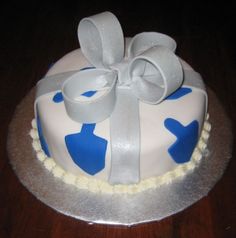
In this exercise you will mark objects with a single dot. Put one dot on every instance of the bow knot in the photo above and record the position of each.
(121, 70)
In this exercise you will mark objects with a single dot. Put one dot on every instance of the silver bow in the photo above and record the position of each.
(149, 72)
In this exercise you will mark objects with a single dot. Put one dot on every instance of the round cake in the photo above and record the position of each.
(120, 115)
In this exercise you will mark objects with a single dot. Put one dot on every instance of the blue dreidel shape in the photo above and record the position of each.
(87, 150)
(187, 137)
(179, 93)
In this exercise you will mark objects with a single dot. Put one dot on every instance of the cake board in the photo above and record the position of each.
(151, 205)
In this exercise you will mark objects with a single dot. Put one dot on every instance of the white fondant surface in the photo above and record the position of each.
(155, 138)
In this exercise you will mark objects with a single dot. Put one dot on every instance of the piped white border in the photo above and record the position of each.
(99, 186)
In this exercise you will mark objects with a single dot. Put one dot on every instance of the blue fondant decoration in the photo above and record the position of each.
(58, 97)
(87, 150)
(179, 93)
(187, 137)
(41, 138)
(89, 93)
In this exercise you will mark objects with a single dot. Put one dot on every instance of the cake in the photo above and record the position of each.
(120, 115)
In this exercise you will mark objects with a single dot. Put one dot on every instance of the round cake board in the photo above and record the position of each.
(151, 205)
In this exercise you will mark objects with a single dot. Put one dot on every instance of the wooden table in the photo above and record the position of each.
(33, 38)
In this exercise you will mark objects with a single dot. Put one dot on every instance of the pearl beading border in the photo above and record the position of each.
(99, 186)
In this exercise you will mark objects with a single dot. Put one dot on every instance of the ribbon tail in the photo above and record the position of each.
(50, 84)
(125, 139)
(194, 79)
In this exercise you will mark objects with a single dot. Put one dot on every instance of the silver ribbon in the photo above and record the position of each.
(150, 72)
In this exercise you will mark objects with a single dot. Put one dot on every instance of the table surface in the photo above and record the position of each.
(33, 38)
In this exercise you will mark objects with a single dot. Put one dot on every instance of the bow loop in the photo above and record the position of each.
(101, 39)
(146, 40)
(155, 74)
(95, 110)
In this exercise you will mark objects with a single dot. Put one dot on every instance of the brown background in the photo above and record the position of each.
(33, 36)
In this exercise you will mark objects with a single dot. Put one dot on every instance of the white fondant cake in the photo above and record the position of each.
(172, 134)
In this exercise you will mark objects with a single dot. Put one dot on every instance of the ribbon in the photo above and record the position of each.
(149, 72)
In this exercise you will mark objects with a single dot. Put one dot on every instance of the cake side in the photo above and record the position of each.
(96, 185)
(155, 160)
